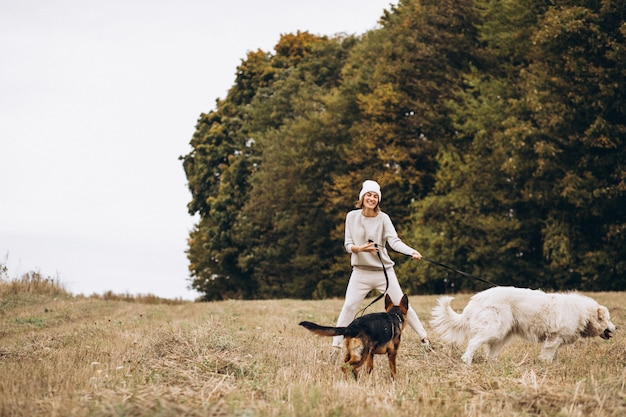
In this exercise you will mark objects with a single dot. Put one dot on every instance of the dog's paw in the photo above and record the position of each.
(467, 359)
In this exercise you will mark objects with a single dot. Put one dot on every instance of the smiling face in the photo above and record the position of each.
(370, 201)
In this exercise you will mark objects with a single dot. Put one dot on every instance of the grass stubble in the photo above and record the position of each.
(64, 355)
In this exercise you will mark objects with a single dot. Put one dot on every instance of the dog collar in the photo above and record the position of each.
(399, 317)
(393, 328)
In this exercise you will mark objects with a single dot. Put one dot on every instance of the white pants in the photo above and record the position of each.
(360, 284)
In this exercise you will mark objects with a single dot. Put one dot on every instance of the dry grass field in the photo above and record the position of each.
(113, 356)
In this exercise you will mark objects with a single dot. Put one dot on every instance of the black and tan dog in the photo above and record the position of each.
(375, 333)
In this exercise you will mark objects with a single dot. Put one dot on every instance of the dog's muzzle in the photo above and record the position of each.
(608, 333)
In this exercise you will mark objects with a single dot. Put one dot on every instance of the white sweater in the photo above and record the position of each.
(379, 229)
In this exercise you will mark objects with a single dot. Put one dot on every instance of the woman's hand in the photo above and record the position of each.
(416, 255)
(368, 247)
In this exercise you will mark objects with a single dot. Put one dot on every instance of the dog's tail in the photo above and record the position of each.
(451, 326)
(323, 330)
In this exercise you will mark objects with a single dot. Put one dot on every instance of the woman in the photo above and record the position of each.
(368, 231)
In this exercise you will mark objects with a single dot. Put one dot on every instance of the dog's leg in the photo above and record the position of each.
(490, 326)
(360, 356)
(354, 364)
(349, 365)
(473, 345)
(346, 367)
(351, 349)
(392, 355)
(494, 348)
(356, 354)
(549, 349)
(369, 361)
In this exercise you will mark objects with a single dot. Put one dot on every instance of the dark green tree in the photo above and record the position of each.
(399, 80)
(283, 223)
(400, 77)
(218, 170)
(495, 127)
(257, 171)
(471, 220)
(526, 192)
(575, 91)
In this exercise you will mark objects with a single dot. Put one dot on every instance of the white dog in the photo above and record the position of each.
(494, 316)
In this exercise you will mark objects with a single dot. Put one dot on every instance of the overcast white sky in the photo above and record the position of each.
(98, 99)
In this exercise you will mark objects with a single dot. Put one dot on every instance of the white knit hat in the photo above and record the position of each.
(370, 186)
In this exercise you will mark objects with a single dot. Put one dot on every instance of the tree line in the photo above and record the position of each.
(495, 128)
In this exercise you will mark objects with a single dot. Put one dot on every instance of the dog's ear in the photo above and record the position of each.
(404, 303)
(595, 323)
(388, 302)
(603, 315)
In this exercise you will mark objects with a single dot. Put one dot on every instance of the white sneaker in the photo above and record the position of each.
(428, 347)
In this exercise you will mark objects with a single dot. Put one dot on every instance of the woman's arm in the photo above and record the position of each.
(396, 243)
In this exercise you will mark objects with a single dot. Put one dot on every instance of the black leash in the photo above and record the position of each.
(460, 272)
(381, 295)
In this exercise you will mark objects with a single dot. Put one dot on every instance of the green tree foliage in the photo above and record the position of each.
(217, 174)
(258, 170)
(532, 182)
(471, 219)
(575, 91)
(399, 79)
(218, 170)
(495, 128)
(283, 222)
